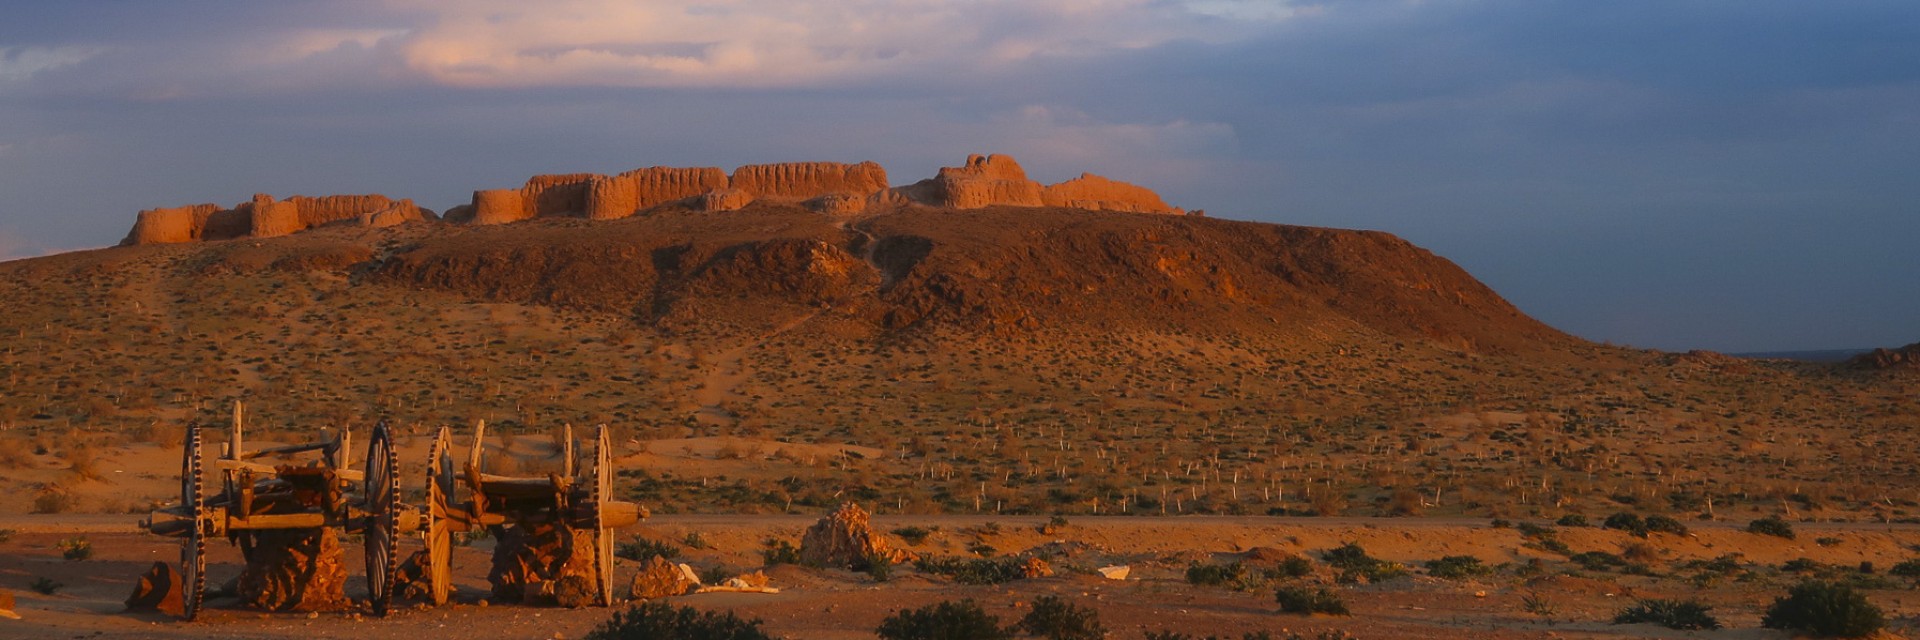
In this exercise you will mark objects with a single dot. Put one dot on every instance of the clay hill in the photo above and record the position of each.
(827, 187)
(983, 341)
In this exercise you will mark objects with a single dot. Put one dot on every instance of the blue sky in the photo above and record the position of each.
(1734, 175)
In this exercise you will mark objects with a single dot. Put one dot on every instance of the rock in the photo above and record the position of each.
(6, 605)
(1034, 567)
(1100, 194)
(839, 204)
(809, 180)
(410, 578)
(724, 200)
(1905, 358)
(529, 556)
(158, 589)
(844, 539)
(394, 215)
(755, 580)
(983, 181)
(293, 570)
(574, 591)
(1116, 572)
(660, 579)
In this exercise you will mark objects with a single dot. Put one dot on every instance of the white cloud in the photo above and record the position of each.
(21, 63)
(778, 43)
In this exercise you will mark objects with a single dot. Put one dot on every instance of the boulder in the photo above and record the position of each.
(1034, 567)
(660, 579)
(6, 605)
(293, 570)
(845, 539)
(530, 559)
(158, 589)
(839, 204)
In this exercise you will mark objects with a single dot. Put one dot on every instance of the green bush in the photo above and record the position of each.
(76, 548)
(1664, 524)
(779, 552)
(1825, 610)
(1572, 520)
(1354, 564)
(1457, 567)
(45, 586)
(641, 549)
(1597, 560)
(1771, 526)
(1214, 575)
(1627, 522)
(961, 620)
(654, 620)
(913, 535)
(1293, 567)
(1309, 600)
(1056, 619)
(1672, 614)
(1532, 530)
(878, 566)
(972, 571)
(1906, 569)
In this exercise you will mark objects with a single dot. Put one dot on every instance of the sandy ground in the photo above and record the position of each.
(841, 604)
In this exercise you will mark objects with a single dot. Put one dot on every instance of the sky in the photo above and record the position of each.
(1734, 175)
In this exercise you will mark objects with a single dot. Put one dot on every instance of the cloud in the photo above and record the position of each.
(22, 62)
(784, 43)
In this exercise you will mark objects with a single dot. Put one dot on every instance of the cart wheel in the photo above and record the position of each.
(193, 551)
(602, 534)
(439, 524)
(382, 532)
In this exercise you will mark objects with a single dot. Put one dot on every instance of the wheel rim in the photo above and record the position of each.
(602, 534)
(382, 531)
(193, 556)
(439, 526)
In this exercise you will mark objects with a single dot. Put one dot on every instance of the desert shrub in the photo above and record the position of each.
(878, 566)
(913, 535)
(949, 620)
(1672, 614)
(53, 499)
(1500, 523)
(982, 549)
(1771, 526)
(1802, 565)
(1457, 567)
(779, 552)
(1307, 600)
(1532, 530)
(1597, 560)
(696, 541)
(1056, 619)
(716, 574)
(972, 571)
(44, 586)
(1824, 609)
(1905, 569)
(641, 548)
(1292, 567)
(1354, 564)
(5, 535)
(1827, 541)
(1214, 575)
(1663, 524)
(76, 548)
(653, 620)
(1627, 522)
(1250, 635)
(1572, 520)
